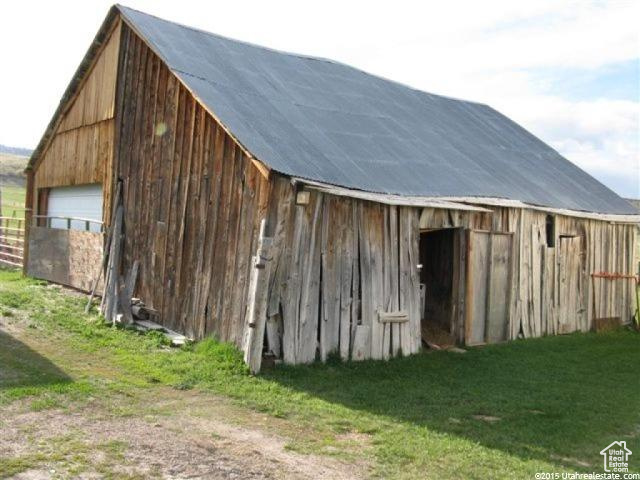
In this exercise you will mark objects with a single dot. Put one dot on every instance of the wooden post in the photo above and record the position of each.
(126, 293)
(256, 313)
(488, 307)
(111, 289)
(2, 248)
(107, 248)
(468, 304)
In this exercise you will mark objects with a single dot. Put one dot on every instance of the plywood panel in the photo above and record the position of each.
(68, 257)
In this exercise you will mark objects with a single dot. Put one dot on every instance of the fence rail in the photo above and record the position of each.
(12, 241)
(47, 220)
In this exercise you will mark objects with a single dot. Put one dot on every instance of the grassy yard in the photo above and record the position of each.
(504, 411)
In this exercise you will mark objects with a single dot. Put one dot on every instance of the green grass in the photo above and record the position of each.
(13, 195)
(558, 400)
(12, 206)
(12, 203)
(71, 453)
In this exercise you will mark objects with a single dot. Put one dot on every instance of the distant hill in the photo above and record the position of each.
(13, 161)
(20, 152)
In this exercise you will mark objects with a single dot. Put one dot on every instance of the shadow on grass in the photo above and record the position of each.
(556, 399)
(23, 368)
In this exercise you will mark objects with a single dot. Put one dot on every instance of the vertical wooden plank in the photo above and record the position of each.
(310, 286)
(256, 314)
(414, 260)
(366, 281)
(356, 284)
(346, 277)
(477, 273)
(461, 254)
(331, 235)
(291, 292)
(243, 266)
(282, 224)
(375, 241)
(410, 332)
(232, 254)
(386, 281)
(498, 288)
(534, 280)
(219, 266)
(394, 279)
(181, 210)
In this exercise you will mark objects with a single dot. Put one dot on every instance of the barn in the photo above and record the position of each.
(299, 207)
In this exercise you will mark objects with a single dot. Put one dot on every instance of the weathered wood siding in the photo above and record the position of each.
(81, 150)
(337, 264)
(193, 201)
(68, 257)
(552, 290)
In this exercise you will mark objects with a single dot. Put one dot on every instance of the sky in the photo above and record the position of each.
(568, 71)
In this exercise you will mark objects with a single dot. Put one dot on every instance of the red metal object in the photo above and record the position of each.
(615, 276)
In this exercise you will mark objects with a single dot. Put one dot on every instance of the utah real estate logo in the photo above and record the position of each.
(616, 457)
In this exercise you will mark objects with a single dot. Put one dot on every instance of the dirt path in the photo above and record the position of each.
(188, 435)
(156, 432)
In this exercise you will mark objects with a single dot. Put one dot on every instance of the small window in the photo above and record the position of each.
(551, 231)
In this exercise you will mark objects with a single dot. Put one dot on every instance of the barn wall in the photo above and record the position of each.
(552, 290)
(81, 149)
(338, 261)
(192, 201)
(337, 264)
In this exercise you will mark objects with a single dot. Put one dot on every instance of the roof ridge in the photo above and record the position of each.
(302, 56)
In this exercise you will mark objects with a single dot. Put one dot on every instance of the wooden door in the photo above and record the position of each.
(570, 308)
(488, 279)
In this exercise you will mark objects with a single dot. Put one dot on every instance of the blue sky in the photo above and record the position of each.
(616, 81)
(598, 150)
(568, 71)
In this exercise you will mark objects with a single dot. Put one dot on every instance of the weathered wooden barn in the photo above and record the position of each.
(300, 207)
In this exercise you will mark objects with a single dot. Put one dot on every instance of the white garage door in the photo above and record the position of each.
(78, 201)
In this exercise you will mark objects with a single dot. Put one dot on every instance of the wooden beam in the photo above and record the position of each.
(262, 167)
(256, 313)
(27, 219)
(401, 316)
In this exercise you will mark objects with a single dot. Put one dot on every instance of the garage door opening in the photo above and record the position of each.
(77, 207)
(437, 279)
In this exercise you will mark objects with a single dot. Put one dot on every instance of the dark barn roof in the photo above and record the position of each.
(325, 121)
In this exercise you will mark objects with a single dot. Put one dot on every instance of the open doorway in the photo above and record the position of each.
(437, 278)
